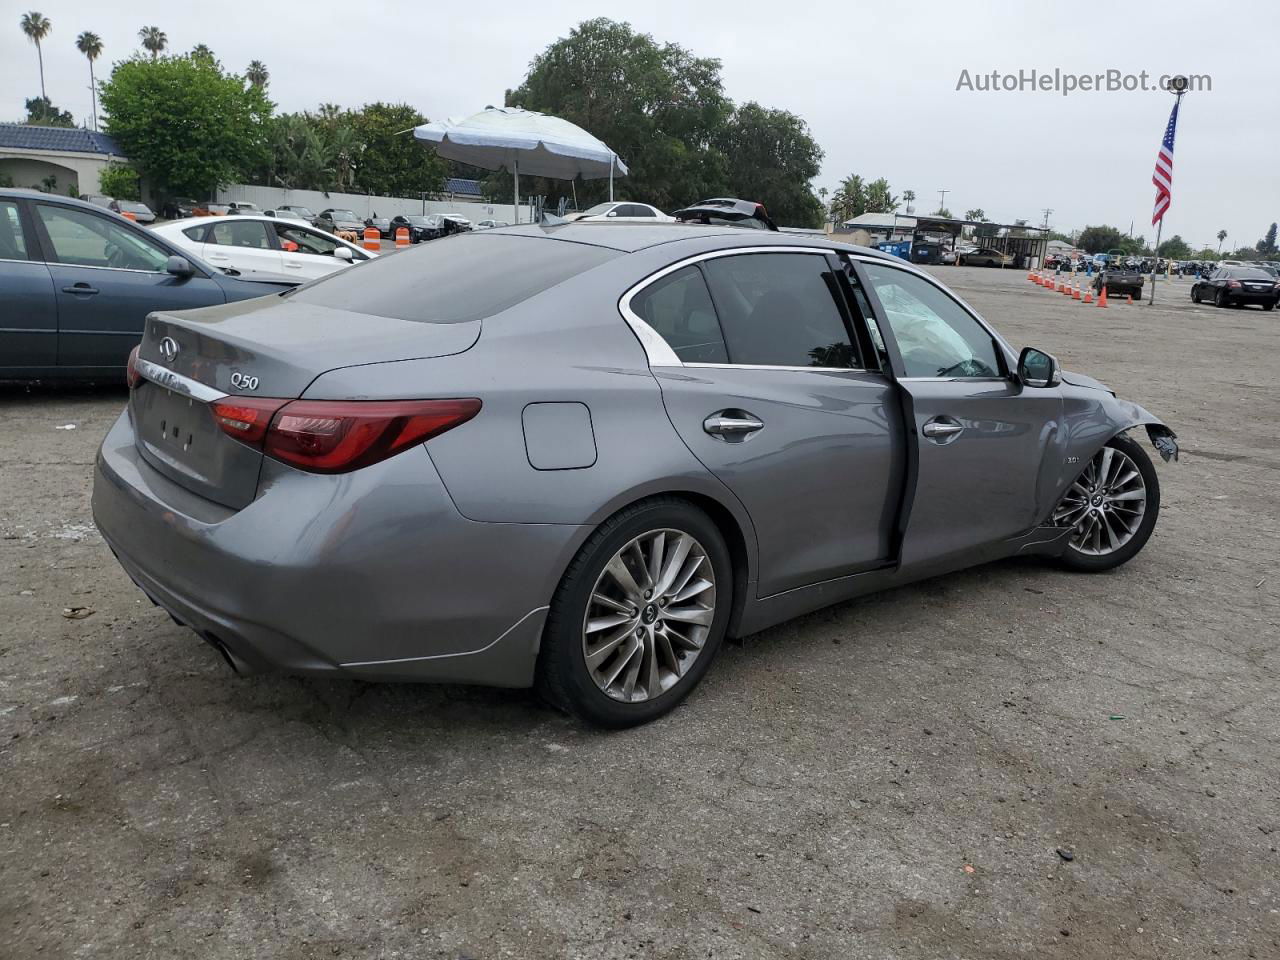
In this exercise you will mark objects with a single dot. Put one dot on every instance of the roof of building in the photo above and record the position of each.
(22, 136)
(878, 221)
(463, 187)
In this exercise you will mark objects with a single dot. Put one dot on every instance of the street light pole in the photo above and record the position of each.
(942, 200)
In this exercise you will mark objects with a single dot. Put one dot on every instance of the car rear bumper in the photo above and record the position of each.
(372, 574)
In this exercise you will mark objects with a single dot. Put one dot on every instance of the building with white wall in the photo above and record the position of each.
(30, 155)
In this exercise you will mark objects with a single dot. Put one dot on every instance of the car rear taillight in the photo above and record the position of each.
(246, 418)
(335, 436)
(131, 374)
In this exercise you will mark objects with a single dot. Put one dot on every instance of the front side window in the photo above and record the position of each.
(679, 308)
(13, 245)
(779, 309)
(307, 241)
(241, 233)
(85, 240)
(936, 336)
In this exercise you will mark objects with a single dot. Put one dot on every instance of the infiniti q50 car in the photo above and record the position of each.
(578, 457)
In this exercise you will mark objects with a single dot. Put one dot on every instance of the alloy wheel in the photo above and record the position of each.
(649, 615)
(1105, 504)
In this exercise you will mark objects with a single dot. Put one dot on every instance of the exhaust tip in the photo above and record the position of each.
(238, 666)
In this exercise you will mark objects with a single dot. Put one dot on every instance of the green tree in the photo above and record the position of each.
(879, 199)
(771, 158)
(908, 197)
(90, 44)
(36, 26)
(657, 105)
(977, 213)
(1222, 235)
(202, 52)
(186, 125)
(850, 199)
(394, 163)
(154, 40)
(1099, 239)
(41, 112)
(942, 212)
(120, 180)
(257, 73)
(1175, 248)
(1267, 245)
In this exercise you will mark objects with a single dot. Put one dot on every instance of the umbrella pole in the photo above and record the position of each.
(515, 170)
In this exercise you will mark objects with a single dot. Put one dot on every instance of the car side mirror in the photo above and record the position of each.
(342, 253)
(1038, 369)
(179, 266)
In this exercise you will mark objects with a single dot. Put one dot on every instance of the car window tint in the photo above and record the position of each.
(13, 245)
(87, 240)
(936, 336)
(241, 233)
(679, 308)
(308, 241)
(778, 309)
(461, 278)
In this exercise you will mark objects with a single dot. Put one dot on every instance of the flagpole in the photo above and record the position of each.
(1179, 86)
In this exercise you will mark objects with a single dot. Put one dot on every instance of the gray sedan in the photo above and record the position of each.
(579, 457)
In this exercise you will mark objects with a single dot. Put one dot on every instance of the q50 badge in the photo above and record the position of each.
(242, 381)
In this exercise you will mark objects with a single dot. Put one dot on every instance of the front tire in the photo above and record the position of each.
(1195, 294)
(638, 616)
(1112, 507)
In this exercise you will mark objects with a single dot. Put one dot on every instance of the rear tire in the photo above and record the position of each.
(1221, 299)
(1268, 306)
(1111, 524)
(646, 651)
(1195, 295)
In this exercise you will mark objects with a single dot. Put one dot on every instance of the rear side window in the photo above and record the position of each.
(13, 245)
(679, 308)
(197, 232)
(461, 278)
(779, 309)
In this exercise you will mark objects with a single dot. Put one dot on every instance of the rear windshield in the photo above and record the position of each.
(461, 278)
(1249, 273)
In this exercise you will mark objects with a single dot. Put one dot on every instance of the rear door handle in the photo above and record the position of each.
(942, 428)
(81, 289)
(731, 425)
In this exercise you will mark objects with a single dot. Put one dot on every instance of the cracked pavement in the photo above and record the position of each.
(890, 777)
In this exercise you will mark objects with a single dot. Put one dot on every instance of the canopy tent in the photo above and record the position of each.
(509, 138)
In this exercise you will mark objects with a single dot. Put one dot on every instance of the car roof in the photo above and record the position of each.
(18, 193)
(632, 237)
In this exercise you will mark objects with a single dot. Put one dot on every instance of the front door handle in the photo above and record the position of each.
(942, 429)
(731, 425)
(81, 289)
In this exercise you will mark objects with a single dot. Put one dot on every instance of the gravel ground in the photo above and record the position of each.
(892, 777)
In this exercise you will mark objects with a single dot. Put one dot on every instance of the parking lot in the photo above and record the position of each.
(1008, 762)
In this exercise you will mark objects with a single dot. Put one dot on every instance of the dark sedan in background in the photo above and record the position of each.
(1238, 286)
(77, 283)
(429, 227)
(338, 220)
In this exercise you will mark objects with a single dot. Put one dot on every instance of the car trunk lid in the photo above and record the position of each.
(274, 348)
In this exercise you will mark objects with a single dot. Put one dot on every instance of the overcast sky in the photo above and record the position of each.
(875, 82)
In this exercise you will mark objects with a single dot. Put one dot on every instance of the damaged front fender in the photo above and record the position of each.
(1164, 440)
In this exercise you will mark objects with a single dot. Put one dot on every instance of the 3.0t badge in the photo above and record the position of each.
(243, 381)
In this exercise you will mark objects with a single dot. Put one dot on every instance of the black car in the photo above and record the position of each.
(77, 283)
(726, 210)
(383, 225)
(1237, 286)
(180, 208)
(430, 227)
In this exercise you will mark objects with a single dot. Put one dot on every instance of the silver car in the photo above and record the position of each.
(578, 457)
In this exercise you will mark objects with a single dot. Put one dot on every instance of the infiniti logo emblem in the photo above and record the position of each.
(168, 349)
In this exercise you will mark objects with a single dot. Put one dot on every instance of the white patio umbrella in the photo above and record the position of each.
(522, 140)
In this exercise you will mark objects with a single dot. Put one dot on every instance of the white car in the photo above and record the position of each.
(625, 211)
(264, 247)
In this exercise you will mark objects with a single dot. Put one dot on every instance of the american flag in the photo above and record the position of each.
(1163, 177)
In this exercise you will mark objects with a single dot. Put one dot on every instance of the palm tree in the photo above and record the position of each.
(154, 40)
(37, 26)
(907, 197)
(202, 52)
(90, 44)
(257, 74)
(1222, 235)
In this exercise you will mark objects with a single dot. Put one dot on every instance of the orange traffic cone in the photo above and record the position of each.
(1088, 294)
(1129, 299)
(402, 237)
(1102, 297)
(372, 239)
(1031, 274)
(1075, 293)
